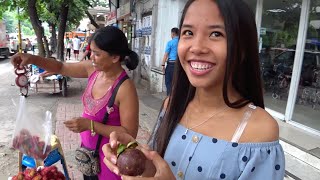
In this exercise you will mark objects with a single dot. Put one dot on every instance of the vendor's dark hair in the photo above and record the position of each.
(242, 68)
(112, 40)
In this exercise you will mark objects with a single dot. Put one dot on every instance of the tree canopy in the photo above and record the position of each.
(33, 13)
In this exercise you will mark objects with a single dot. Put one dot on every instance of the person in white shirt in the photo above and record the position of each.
(76, 46)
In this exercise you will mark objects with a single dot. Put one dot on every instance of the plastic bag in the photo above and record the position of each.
(32, 135)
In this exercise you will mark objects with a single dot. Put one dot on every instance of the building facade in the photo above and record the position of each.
(289, 47)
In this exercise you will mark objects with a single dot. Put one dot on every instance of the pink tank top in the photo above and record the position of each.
(95, 109)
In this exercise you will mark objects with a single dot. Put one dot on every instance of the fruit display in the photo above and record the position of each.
(46, 173)
(31, 145)
(131, 161)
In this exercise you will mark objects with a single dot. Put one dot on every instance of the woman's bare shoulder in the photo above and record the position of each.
(262, 127)
(127, 87)
(166, 103)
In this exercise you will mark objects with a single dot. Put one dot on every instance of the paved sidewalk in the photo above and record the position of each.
(69, 140)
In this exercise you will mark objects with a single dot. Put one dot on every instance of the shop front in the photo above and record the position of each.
(289, 45)
(124, 21)
(112, 18)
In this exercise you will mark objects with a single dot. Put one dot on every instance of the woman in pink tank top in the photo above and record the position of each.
(109, 49)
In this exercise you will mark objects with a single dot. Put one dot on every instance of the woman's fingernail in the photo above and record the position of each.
(112, 144)
(113, 160)
(116, 171)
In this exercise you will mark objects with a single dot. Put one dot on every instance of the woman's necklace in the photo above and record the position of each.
(197, 125)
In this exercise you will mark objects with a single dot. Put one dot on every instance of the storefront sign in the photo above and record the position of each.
(123, 11)
(112, 18)
(263, 31)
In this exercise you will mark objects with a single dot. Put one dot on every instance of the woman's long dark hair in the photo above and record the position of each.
(242, 68)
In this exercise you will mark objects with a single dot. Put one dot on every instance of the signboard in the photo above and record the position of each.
(123, 11)
(263, 31)
(112, 18)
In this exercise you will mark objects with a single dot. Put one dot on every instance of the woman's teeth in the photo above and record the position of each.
(200, 65)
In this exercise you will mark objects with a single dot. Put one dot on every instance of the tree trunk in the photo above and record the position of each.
(36, 24)
(46, 46)
(62, 28)
(92, 21)
(53, 39)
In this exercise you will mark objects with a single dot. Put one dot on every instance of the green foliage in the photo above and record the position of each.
(48, 11)
(283, 25)
(103, 3)
(10, 21)
(76, 13)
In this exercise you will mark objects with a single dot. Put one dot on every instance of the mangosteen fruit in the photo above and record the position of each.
(131, 161)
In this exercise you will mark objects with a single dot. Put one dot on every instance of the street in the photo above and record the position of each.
(37, 104)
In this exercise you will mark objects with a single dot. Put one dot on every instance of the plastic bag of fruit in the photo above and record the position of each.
(32, 132)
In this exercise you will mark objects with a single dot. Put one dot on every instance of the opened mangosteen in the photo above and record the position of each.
(131, 161)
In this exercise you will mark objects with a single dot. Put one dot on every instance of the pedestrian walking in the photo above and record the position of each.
(104, 71)
(86, 49)
(170, 57)
(68, 45)
(76, 43)
(215, 125)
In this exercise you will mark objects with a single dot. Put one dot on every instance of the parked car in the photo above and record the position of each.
(14, 45)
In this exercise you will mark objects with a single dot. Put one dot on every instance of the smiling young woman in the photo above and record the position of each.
(215, 125)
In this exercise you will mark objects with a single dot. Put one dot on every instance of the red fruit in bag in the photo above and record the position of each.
(20, 176)
(53, 169)
(60, 175)
(38, 177)
(45, 171)
(30, 145)
(30, 173)
(25, 132)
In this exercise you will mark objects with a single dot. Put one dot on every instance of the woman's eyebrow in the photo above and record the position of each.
(186, 26)
(215, 26)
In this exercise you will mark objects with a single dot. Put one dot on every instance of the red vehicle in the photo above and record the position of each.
(4, 41)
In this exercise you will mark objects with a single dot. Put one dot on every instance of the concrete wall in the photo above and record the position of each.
(168, 16)
(140, 10)
(165, 15)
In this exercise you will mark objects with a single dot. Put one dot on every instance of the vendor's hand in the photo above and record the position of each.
(46, 74)
(163, 171)
(21, 60)
(78, 124)
(163, 69)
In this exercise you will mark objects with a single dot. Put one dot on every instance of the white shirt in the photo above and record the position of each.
(76, 43)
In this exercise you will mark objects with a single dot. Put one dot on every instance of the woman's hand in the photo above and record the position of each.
(46, 74)
(21, 59)
(78, 124)
(163, 171)
(110, 149)
(156, 166)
